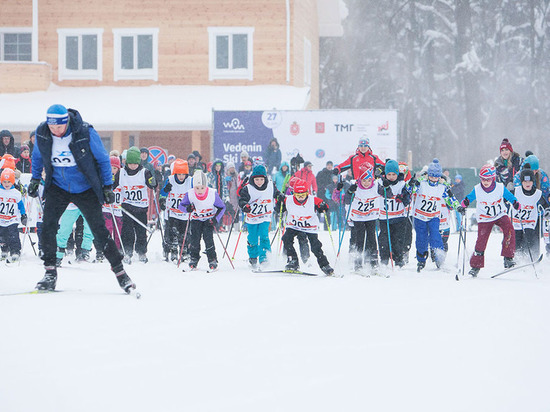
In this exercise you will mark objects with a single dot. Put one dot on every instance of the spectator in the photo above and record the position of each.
(30, 142)
(244, 158)
(7, 143)
(507, 164)
(232, 184)
(216, 179)
(282, 176)
(144, 155)
(24, 162)
(192, 162)
(245, 174)
(306, 174)
(324, 178)
(359, 161)
(200, 164)
(272, 157)
(459, 191)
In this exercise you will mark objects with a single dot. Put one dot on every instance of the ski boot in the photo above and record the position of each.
(213, 265)
(143, 258)
(4, 256)
(192, 265)
(49, 280)
(292, 263)
(13, 258)
(253, 263)
(123, 279)
(420, 266)
(58, 262)
(327, 270)
(83, 256)
(509, 262)
(99, 256)
(127, 259)
(473, 272)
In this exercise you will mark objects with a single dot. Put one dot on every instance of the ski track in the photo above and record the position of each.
(234, 340)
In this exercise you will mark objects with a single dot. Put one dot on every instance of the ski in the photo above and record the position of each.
(293, 272)
(519, 267)
(31, 292)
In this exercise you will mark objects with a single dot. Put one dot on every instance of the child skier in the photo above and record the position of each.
(12, 212)
(66, 222)
(302, 217)
(393, 211)
(134, 181)
(256, 199)
(178, 184)
(427, 211)
(112, 211)
(490, 211)
(206, 208)
(525, 219)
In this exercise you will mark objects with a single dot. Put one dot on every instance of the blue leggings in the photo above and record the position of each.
(427, 234)
(66, 223)
(258, 240)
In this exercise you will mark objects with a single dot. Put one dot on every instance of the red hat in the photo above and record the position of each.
(300, 186)
(488, 172)
(115, 161)
(180, 167)
(7, 162)
(506, 145)
(8, 174)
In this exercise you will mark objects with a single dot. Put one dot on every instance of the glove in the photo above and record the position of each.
(247, 208)
(352, 188)
(213, 221)
(378, 172)
(108, 194)
(281, 198)
(162, 203)
(461, 210)
(33, 187)
(465, 203)
(399, 198)
(335, 171)
(323, 207)
(152, 181)
(24, 220)
(339, 186)
(516, 205)
(547, 213)
(190, 207)
(388, 194)
(385, 182)
(414, 182)
(167, 187)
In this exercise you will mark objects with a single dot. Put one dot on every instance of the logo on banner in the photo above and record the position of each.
(320, 153)
(384, 127)
(234, 126)
(157, 154)
(271, 120)
(343, 127)
(319, 127)
(294, 129)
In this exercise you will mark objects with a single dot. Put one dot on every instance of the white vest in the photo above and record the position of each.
(395, 209)
(134, 190)
(490, 206)
(301, 217)
(261, 204)
(444, 217)
(204, 209)
(528, 213)
(175, 196)
(116, 204)
(427, 204)
(9, 210)
(365, 205)
(61, 154)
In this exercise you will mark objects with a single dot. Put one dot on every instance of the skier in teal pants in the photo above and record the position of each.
(68, 219)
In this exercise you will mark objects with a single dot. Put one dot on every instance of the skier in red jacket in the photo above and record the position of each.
(360, 161)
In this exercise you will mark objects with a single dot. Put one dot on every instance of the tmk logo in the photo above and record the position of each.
(344, 127)
(234, 124)
(385, 126)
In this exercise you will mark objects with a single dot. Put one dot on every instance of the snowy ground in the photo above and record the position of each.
(238, 341)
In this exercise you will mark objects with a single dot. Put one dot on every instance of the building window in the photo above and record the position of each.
(307, 62)
(230, 52)
(136, 54)
(15, 45)
(80, 54)
(107, 143)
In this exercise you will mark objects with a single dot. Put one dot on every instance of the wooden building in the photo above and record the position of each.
(176, 59)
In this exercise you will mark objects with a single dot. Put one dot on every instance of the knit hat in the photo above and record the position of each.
(180, 166)
(527, 174)
(229, 165)
(133, 156)
(5, 133)
(248, 163)
(434, 169)
(191, 156)
(533, 161)
(171, 158)
(258, 171)
(197, 154)
(7, 162)
(458, 177)
(23, 148)
(8, 174)
(392, 167)
(244, 153)
(144, 150)
(364, 142)
(57, 114)
(506, 145)
(199, 178)
(488, 172)
(115, 161)
(367, 174)
(300, 186)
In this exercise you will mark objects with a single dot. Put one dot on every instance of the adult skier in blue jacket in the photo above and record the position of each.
(78, 170)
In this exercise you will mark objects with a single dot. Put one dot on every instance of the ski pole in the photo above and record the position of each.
(139, 222)
(388, 226)
(183, 242)
(116, 228)
(344, 226)
(224, 249)
(528, 246)
(330, 233)
(238, 238)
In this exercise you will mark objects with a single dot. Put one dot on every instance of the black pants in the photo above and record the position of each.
(56, 202)
(398, 229)
(203, 229)
(304, 246)
(9, 238)
(175, 230)
(528, 241)
(313, 238)
(363, 243)
(132, 232)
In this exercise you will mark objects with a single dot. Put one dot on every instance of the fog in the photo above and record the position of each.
(463, 74)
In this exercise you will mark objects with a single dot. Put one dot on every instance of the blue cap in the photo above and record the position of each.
(434, 169)
(364, 142)
(259, 170)
(392, 167)
(459, 177)
(533, 161)
(57, 114)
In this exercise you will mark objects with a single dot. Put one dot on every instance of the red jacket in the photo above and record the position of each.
(358, 163)
(311, 183)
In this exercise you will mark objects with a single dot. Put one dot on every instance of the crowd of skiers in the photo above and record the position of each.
(379, 201)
